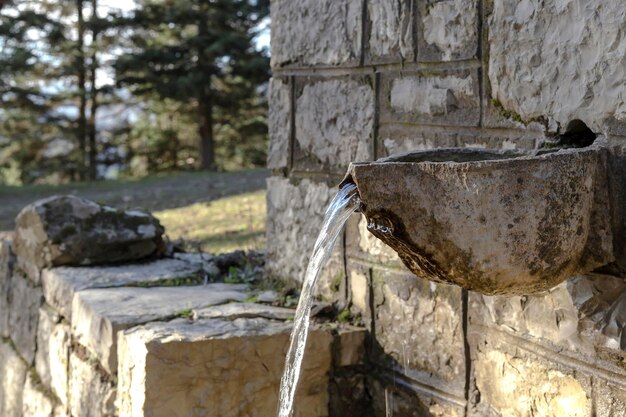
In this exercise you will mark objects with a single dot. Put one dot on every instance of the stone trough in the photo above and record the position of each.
(495, 222)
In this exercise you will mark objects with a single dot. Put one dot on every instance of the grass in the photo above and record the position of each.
(222, 225)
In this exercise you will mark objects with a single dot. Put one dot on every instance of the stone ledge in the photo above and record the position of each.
(217, 367)
(60, 284)
(98, 314)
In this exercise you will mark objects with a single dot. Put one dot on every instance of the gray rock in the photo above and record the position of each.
(391, 36)
(334, 124)
(232, 311)
(60, 284)
(24, 315)
(36, 403)
(53, 350)
(7, 260)
(491, 222)
(316, 32)
(91, 391)
(531, 69)
(609, 398)
(217, 368)
(67, 230)
(98, 314)
(448, 30)
(13, 371)
(278, 123)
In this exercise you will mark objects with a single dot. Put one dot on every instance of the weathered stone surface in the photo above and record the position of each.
(316, 32)
(419, 330)
(53, 350)
(67, 230)
(349, 395)
(91, 391)
(61, 283)
(584, 314)
(448, 98)
(391, 399)
(6, 271)
(294, 218)
(447, 30)
(563, 59)
(512, 382)
(391, 30)
(349, 349)
(609, 398)
(217, 367)
(491, 222)
(36, 403)
(13, 376)
(98, 314)
(278, 123)
(232, 311)
(334, 124)
(24, 315)
(360, 243)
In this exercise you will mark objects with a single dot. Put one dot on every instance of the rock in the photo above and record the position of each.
(7, 260)
(91, 391)
(67, 230)
(448, 30)
(36, 403)
(334, 124)
(279, 123)
(60, 284)
(232, 311)
(294, 219)
(53, 350)
(391, 36)
(529, 386)
(218, 368)
(98, 314)
(332, 36)
(609, 398)
(349, 348)
(491, 222)
(13, 371)
(443, 98)
(564, 60)
(24, 315)
(419, 330)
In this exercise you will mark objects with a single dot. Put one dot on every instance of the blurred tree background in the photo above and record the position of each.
(89, 90)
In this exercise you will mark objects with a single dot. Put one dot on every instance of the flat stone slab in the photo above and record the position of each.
(61, 283)
(217, 367)
(100, 313)
(233, 311)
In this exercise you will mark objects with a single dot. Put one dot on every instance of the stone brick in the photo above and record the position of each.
(60, 284)
(562, 60)
(217, 367)
(36, 402)
(53, 350)
(391, 31)
(349, 395)
(609, 398)
(294, 218)
(24, 315)
(91, 390)
(316, 32)
(279, 123)
(447, 30)
(419, 331)
(13, 376)
(395, 139)
(98, 314)
(349, 348)
(360, 243)
(583, 315)
(513, 382)
(334, 124)
(441, 98)
(390, 398)
(6, 271)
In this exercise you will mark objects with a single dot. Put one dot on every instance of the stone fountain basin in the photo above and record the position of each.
(496, 222)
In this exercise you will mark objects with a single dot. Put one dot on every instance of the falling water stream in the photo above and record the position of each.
(337, 213)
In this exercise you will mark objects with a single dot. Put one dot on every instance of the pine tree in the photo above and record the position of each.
(199, 53)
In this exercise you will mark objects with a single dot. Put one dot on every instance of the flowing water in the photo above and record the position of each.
(337, 213)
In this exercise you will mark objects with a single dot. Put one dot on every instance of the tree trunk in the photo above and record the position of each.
(93, 94)
(82, 92)
(205, 119)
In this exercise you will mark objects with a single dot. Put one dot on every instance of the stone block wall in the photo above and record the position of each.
(356, 80)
